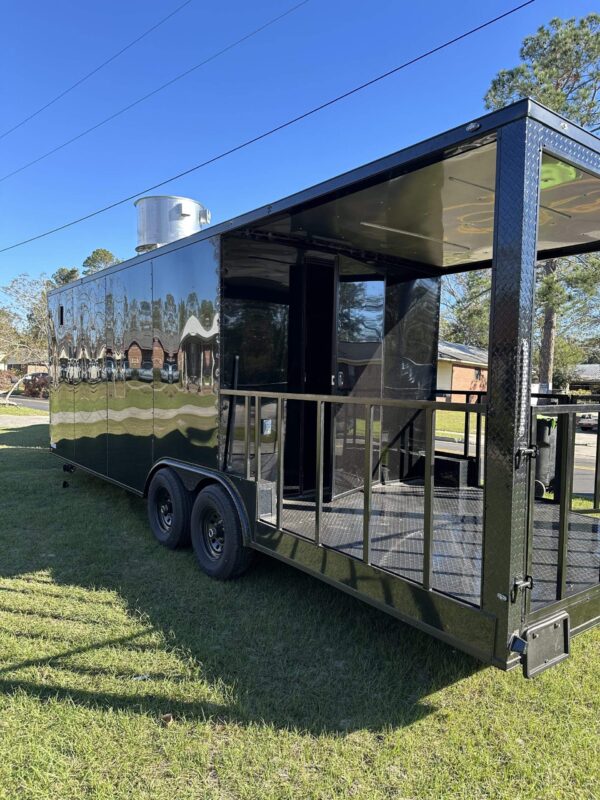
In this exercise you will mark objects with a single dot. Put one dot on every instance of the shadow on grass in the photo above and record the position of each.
(291, 651)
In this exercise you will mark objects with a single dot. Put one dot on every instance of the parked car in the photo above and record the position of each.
(588, 422)
(108, 370)
(169, 372)
(146, 372)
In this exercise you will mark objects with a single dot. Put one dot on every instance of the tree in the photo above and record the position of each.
(99, 259)
(560, 67)
(64, 275)
(467, 308)
(28, 314)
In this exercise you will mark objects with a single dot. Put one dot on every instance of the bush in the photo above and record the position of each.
(7, 378)
(36, 386)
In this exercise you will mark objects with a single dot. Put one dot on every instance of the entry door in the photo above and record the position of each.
(358, 373)
(310, 370)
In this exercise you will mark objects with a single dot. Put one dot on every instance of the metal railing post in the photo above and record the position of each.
(466, 446)
(428, 497)
(257, 436)
(597, 473)
(247, 465)
(367, 482)
(279, 507)
(319, 471)
(566, 422)
(478, 431)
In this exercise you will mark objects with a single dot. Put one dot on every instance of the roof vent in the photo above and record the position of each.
(166, 218)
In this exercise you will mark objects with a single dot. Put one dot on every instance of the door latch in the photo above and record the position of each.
(519, 585)
(525, 452)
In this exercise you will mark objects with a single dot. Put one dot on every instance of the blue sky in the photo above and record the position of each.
(319, 51)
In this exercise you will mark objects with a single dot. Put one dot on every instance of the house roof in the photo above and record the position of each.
(462, 353)
(588, 372)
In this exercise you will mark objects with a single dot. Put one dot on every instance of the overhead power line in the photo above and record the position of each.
(154, 91)
(95, 70)
(274, 130)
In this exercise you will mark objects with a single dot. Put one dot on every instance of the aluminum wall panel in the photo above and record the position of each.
(130, 386)
(90, 388)
(62, 430)
(185, 318)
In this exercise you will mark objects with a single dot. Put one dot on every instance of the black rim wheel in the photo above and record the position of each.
(213, 534)
(164, 510)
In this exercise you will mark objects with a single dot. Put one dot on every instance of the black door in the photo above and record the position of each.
(310, 370)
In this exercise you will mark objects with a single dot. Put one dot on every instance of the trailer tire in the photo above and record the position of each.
(169, 509)
(217, 535)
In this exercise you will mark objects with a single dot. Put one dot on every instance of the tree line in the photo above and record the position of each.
(23, 313)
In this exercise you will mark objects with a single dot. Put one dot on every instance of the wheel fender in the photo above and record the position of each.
(193, 477)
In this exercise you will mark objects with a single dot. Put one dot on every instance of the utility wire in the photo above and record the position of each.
(95, 70)
(272, 131)
(154, 91)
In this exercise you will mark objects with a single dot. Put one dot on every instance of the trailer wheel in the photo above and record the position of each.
(169, 509)
(217, 535)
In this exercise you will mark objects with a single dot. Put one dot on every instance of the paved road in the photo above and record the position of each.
(31, 402)
(585, 459)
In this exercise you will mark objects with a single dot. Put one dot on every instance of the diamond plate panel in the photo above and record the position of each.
(515, 249)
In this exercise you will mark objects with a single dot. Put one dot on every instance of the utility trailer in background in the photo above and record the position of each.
(270, 384)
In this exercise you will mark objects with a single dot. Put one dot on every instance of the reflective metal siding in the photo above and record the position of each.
(62, 374)
(90, 385)
(185, 315)
(130, 387)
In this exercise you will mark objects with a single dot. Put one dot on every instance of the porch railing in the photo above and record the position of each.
(252, 400)
(561, 490)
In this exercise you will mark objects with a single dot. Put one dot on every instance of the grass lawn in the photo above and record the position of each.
(21, 411)
(279, 686)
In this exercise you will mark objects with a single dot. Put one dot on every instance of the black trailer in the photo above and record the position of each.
(269, 384)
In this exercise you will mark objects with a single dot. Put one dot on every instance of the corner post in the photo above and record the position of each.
(508, 420)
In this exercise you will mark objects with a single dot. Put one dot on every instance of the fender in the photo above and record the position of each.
(192, 476)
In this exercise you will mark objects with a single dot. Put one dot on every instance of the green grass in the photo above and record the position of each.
(21, 411)
(280, 686)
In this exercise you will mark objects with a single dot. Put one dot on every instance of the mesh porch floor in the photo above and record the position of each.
(396, 532)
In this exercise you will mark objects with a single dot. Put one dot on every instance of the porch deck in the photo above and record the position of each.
(396, 531)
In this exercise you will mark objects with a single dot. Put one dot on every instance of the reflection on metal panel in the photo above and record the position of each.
(130, 374)
(88, 387)
(184, 353)
(569, 206)
(62, 372)
(441, 214)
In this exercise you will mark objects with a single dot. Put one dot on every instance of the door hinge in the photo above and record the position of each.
(519, 585)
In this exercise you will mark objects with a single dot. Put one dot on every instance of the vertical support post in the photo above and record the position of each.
(367, 482)
(506, 485)
(567, 455)
(428, 496)
(257, 437)
(279, 508)
(247, 467)
(478, 431)
(466, 446)
(319, 471)
(597, 473)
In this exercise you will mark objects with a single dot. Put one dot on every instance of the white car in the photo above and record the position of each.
(146, 372)
(169, 373)
(587, 422)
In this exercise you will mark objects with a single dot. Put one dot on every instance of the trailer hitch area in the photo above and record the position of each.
(543, 645)
(525, 452)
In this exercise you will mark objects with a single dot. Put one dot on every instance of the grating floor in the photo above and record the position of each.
(396, 535)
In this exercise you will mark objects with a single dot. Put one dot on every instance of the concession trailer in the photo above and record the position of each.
(269, 384)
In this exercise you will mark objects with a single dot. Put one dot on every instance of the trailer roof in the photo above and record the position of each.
(360, 209)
